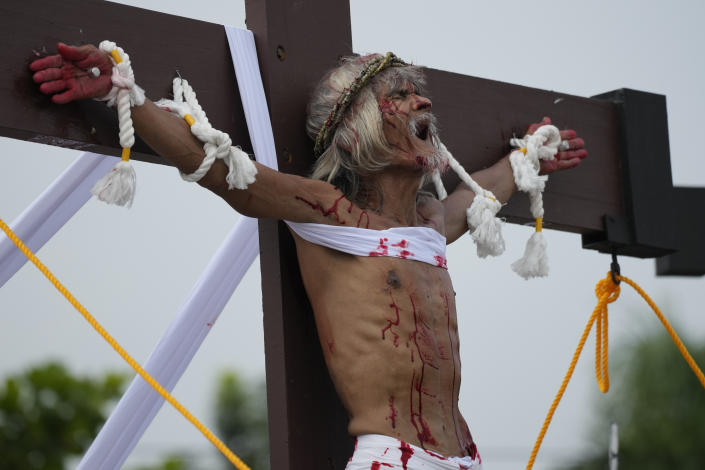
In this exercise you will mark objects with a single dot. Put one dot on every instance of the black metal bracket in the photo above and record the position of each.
(660, 220)
(615, 271)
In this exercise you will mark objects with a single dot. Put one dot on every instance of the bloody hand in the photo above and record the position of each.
(565, 159)
(67, 75)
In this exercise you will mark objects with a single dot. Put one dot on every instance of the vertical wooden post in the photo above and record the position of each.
(296, 43)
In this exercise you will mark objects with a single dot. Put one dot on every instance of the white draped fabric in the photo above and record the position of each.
(179, 344)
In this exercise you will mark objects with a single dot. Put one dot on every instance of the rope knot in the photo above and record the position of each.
(608, 289)
(121, 77)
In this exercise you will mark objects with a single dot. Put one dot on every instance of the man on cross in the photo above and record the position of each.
(370, 242)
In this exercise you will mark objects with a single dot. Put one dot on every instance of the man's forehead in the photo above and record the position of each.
(403, 85)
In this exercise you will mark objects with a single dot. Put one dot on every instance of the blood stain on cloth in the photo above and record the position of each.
(406, 453)
(382, 249)
(441, 262)
(403, 253)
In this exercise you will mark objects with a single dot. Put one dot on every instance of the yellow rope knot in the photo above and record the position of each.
(607, 291)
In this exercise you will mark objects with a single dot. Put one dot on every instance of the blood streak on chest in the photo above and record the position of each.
(392, 413)
(453, 399)
(363, 214)
(332, 210)
(394, 322)
(423, 433)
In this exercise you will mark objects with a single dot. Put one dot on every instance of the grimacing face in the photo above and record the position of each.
(409, 127)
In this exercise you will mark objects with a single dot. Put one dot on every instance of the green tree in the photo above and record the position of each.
(47, 415)
(659, 406)
(171, 462)
(241, 420)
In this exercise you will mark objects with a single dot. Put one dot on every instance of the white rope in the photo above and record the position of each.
(526, 163)
(438, 183)
(216, 144)
(118, 186)
(123, 78)
(485, 226)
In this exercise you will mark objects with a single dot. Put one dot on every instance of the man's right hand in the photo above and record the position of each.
(67, 75)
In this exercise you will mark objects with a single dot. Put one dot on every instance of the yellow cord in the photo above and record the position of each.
(116, 56)
(607, 292)
(234, 459)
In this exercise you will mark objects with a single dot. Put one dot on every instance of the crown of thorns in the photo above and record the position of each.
(371, 69)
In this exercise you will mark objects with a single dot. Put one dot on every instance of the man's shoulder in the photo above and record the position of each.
(428, 205)
(431, 211)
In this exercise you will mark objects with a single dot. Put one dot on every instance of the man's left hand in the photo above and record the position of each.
(565, 158)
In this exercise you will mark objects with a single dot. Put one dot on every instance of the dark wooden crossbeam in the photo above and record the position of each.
(619, 200)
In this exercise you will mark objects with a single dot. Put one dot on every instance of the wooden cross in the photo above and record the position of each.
(621, 199)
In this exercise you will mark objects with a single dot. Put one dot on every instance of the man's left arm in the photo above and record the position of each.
(499, 179)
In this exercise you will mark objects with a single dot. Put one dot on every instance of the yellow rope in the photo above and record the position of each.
(234, 459)
(607, 292)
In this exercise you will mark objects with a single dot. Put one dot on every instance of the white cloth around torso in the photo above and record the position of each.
(415, 243)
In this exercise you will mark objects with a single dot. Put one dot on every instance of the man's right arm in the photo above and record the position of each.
(272, 195)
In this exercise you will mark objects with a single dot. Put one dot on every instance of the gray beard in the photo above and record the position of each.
(438, 159)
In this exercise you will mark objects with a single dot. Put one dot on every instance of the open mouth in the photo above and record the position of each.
(422, 131)
(421, 128)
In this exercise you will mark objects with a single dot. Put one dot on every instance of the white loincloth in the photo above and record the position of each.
(378, 452)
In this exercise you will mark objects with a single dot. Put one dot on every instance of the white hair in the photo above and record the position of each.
(358, 145)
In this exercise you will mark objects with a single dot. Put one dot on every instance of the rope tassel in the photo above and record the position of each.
(485, 226)
(534, 263)
(525, 160)
(118, 187)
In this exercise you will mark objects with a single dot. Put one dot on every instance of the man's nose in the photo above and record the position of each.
(421, 103)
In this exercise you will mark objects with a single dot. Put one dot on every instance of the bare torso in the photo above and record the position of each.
(388, 331)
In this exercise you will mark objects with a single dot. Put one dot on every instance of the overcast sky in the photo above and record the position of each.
(133, 269)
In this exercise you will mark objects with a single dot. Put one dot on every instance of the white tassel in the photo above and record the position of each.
(482, 217)
(242, 169)
(487, 228)
(534, 263)
(542, 145)
(118, 186)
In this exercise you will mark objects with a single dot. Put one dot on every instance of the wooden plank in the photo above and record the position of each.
(308, 425)
(478, 115)
(165, 43)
